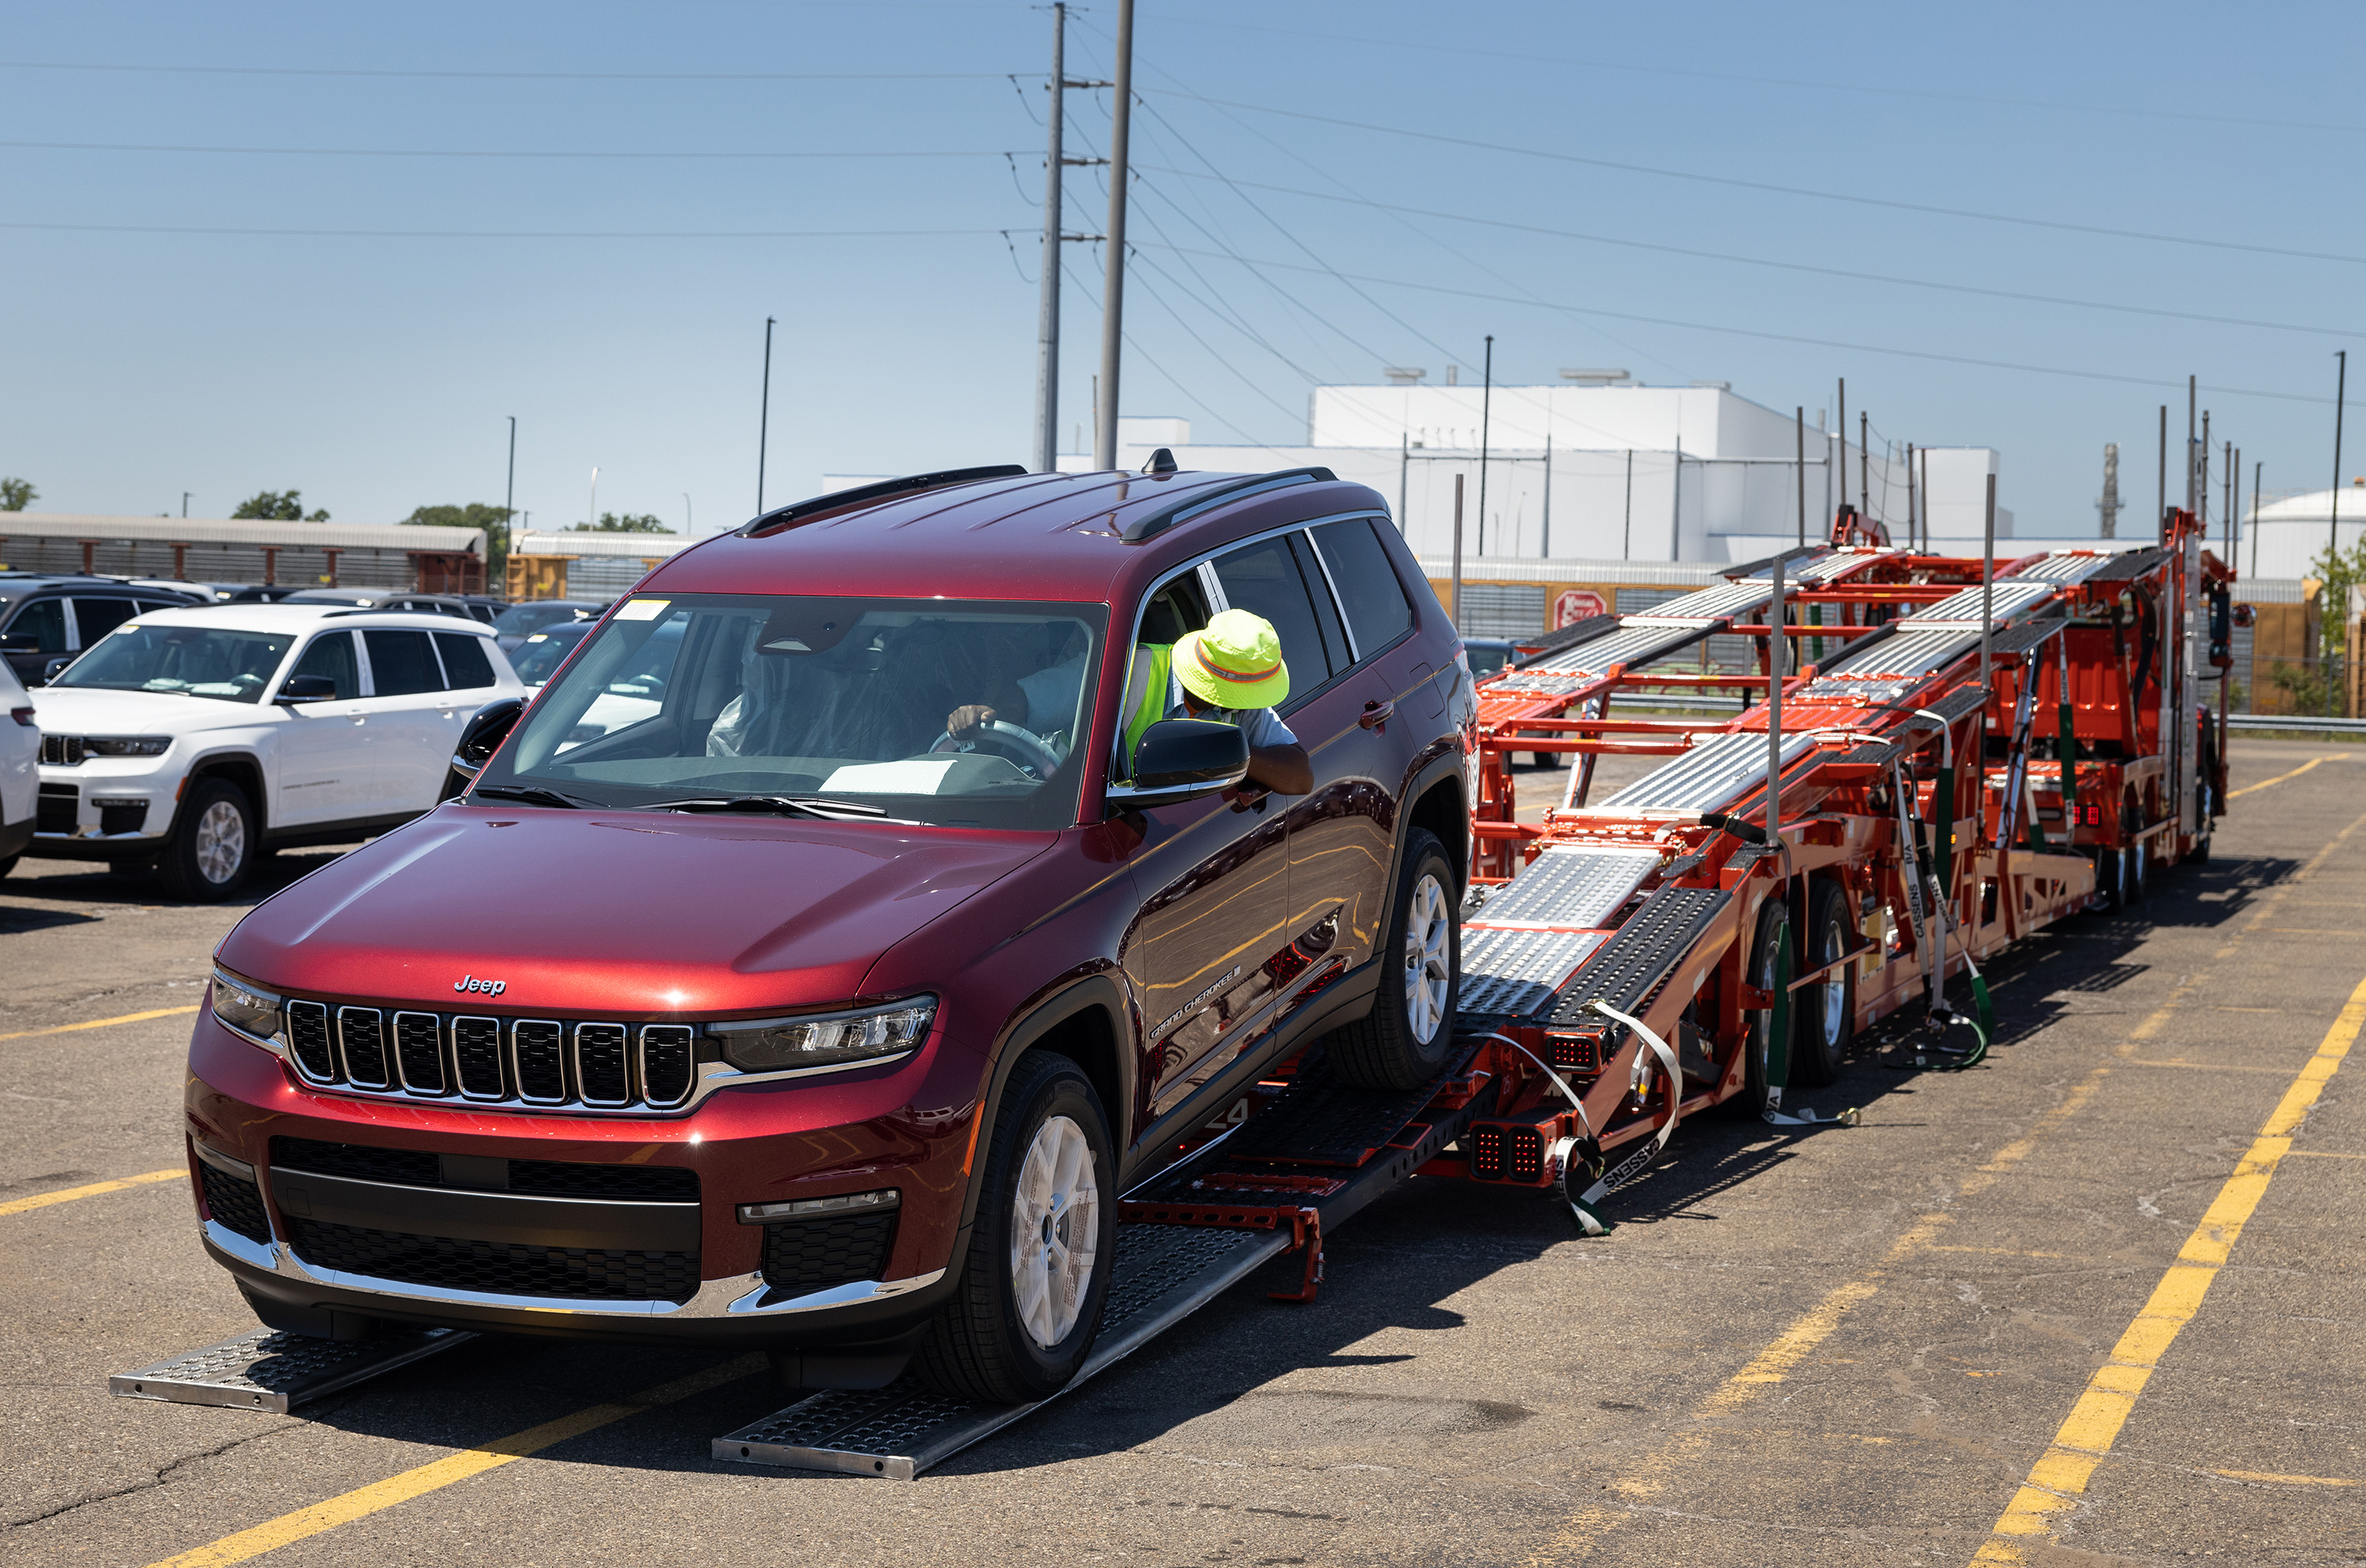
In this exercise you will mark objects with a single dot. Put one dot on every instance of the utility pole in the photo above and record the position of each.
(2341, 391)
(2160, 512)
(1455, 609)
(1113, 290)
(1047, 327)
(509, 490)
(1627, 539)
(593, 522)
(2110, 505)
(1843, 436)
(2201, 476)
(1865, 464)
(1544, 550)
(185, 501)
(2256, 469)
(2188, 441)
(1799, 427)
(1486, 393)
(763, 419)
(1909, 495)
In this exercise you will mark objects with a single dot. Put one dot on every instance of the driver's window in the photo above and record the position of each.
(331, 654)
(1179, 606)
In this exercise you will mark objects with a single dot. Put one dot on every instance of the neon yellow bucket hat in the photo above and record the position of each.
(1234, 663)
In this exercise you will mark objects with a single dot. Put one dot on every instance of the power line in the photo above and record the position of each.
(337, 72)
(1741, 260)
(246, 231)
(1845, 196)
(1582, 310)
(460, 153)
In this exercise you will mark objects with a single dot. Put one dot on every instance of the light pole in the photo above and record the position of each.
(1113, 290)
(1047, 323)
(185, 501)
(592, 521)
(509, 498)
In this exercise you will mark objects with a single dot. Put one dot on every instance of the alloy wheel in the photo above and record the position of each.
(1427, 968)
(220, 842)
(1054, 1220)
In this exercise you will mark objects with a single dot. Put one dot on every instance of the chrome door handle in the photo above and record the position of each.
(1376, 715)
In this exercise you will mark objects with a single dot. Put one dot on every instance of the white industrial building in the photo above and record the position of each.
(1597, 468)
(2286, 537)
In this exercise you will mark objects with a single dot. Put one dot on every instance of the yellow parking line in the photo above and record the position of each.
(68, 1194)
(2060, 1475)
(2279, 778)
(382, 1494)
(101, 1023)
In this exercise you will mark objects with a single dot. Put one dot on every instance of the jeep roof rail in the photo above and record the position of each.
(1151, 525)
(910, 484)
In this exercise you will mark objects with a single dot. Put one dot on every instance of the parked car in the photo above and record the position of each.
(629, 695)
(835, 1034)
(266, 593)
(45, 620)
(385, 598)
(516, 623)
(194, 739)
(20, 782)
(483, 606)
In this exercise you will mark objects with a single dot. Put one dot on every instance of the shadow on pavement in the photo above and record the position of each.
(92, 882)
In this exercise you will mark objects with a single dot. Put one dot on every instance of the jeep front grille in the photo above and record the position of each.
(62, 750)
(526, 1061)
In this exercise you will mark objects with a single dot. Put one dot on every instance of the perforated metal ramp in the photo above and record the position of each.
(1514, 974)
(1642, 953)
(274, 1372)
(1575, 887)
(1706, 777)
(1162, 1274)
(2010, 596)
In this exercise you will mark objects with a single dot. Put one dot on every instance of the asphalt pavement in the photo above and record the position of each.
(2090, 1303)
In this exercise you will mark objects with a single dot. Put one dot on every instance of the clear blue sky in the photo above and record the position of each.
(243, 273)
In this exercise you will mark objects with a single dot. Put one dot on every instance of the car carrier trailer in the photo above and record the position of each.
(1947, 754)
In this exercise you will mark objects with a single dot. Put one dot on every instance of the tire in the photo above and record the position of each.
(212, 847)
(2201, 852)
(1404, 1041)
(8, 865)
(2112, 877)
(2137, 884)
(1759, 971)
(1049, 1175)
(1825, 1017)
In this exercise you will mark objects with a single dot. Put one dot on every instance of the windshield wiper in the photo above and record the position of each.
(779, 805)
(531, 794)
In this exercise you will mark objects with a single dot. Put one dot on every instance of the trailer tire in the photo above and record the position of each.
(2137, 884)
(1825, 1017)
(1759, 971)
(1403, 1041)
(1051, 1190)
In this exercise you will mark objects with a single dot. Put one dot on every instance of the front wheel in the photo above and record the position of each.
(1826, 1010)
(1024, 1317)
(1403, 1042)
(212, 847)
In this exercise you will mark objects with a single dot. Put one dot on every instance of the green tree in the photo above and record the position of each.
(278, 506)
(623, 523)
(493, 520)
(16, 494)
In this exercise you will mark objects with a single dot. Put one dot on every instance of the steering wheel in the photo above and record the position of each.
(1023, 747)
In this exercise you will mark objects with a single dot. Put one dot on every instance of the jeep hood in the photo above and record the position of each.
(584, 912)
(96, 710)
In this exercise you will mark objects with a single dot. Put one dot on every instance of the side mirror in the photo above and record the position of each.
(307, 689)
(55, 667)
(1183, 759)
(478, 740)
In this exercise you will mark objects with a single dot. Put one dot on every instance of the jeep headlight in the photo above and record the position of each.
(245, 1006)
(128, 745)
(826, 1040)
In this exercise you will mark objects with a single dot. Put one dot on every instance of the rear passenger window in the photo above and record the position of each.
(464, 659)
(96, 617)
(1263, 579)
(331, 654)
(1377, 611)
(401, 663)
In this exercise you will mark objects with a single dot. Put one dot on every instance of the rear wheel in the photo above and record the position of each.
(1827, 1012)
(213, 846)
(1403, 1042)
(1037, 1272)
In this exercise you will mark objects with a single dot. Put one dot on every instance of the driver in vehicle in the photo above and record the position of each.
(1230, 673)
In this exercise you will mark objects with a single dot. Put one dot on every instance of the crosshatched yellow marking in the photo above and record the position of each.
(2286, 1480)
(102, 1022)
(2059, 1477)
(381, 1495)
(68, 1194)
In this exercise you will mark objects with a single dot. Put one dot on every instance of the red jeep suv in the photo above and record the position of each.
(829, 1031)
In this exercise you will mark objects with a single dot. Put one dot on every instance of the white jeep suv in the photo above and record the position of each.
(196, 739)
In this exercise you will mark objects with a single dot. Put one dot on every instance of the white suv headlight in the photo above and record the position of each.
(127, 745)
(826, 1040)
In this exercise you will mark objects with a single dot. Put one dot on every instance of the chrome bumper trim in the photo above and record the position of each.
(737, 1296)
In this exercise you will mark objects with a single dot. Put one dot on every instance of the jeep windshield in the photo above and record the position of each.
(197, 661)
(947, 711)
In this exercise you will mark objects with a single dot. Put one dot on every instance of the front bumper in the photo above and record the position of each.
(299, 1242)
(106, 808)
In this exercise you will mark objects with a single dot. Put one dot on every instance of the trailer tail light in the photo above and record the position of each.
(1524, 1155)
(1575, 1053)
(1487, 1151)
(2090, 815)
